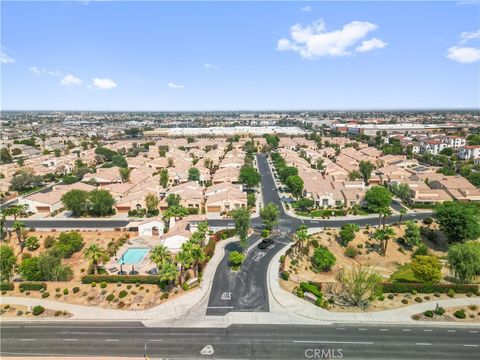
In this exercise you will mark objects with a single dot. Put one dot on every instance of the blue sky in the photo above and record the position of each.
(239, 56)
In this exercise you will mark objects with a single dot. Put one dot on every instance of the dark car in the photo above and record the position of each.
(265, 243)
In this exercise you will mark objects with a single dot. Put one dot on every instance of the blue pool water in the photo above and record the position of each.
(133, 256)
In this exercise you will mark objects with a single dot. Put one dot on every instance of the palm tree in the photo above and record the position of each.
(301, 235)
(151, 202)
(384, 213)
(198, 256)
(95, 254)
(18, 226)
(168, 271)
(203, 228)
(159, 254)
(14, 211)
(184, 258)
(383, 235)
(402, 211)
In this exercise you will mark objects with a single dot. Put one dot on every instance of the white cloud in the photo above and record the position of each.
(369, 45)
(210, 66)
(36, 70)
(175, 86)
(40, 72)
(70, 80)
(104, 84)
(466, 36)
(314, 41)
(463, 55)
(5, 58)
(306, 8)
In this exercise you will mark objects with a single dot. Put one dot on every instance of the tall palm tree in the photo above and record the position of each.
(14, 211)
(18, 226)
(184, 258)
(96, 255)
(159, 254)
(383, 235)
(198, 256)
(402, 211)
(384, 213)
(300, 236)
(167, 271)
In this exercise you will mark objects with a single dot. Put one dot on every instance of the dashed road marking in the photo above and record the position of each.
(70, 339)
(451, 330)
(473, 331)
(470, 345)
(28, 339)
(427, 330)
(383, 329)
(406, 329)
(332, 342)
(155, 340)
(361, 329)
(423, 344)
(112, 340)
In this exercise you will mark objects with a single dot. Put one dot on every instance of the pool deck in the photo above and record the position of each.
(113, 266)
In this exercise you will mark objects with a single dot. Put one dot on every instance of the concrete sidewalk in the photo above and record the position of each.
(284, 301)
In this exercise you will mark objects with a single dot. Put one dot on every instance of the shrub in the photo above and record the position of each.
(451, 293)
(126, 279)
(440, 311)
(58, 313)
(137, 284)
(32, 286)
(427, 298)
(284, 275)
(235, 259)
(322, 259)
(68, 243)
(418, 299)
(110, 297)
(428, 288)
(76, 289)
(413, 292)
(428, 221)
(460, 314)
(32, 243)
(103, 285)
(122, 294)
(404, 301)
(428, 313)
(57, 289)
(311, 288)
(315, 243)
(390, 296)
(94, 283)
(350, 252)
(45, 294)
(265, 233)
(58, 295)
(19, 313)
(381, 298)
(6, 286)
(129, 287)
(65, 291)
(420, 250)
(37, 310)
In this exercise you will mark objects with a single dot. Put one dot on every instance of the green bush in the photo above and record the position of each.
(65, 291)
(6, 286)
(390, 296)
(440, 311)
(45, 294)
(381, 298)
(110, 297)
(323, 259)
(404, 301)
(129, 287)
(103, 285)
(58, 313)
(236, 258)
(311, 288)
(284, 275)
(428, 288)
(209, 249)
(126, 279)
(93, 283)
(350, 252)
(428, 313)
(32, 286)
(265, 233)
(76, 289)
(418, 299)
(421, 250)
(460, 314)
(451, 293)
(428, 221)
(37, 310)
(315, 243)
(122, 294)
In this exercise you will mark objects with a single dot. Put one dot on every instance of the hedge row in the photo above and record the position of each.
(311, 288)
(6, 286)
(126, 279)
(32, 286)
(428, 288)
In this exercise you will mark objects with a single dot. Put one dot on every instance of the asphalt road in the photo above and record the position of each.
(240, 341)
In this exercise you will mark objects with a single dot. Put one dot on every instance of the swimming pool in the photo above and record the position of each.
(133, 256)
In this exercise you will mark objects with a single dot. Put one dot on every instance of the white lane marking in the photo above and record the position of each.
(155, 340)
(383, 329)
(251, 247)
(70, 339)
(406, 329)
(473, 331)
(28, 339)
(451, 330)
(332, 342)
(220, 307)
(423, 344)
(470, 345)
(427, 330)
(361, 329)
(112, 340)
(341, 328)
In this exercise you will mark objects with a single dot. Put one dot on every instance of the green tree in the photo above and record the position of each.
(295, 184)
(67, 244)
(305, 204)
(175, 211)
(151, 202)
(193, 174)
(120, 161)
(163, 178)
(167, 271)
(101, 202)
(358, 284)
(301, 235)
(235, 259)
(287, 171)
(459, 221)
(365, 168)
(29, 270)
(412, 234)
(32, 243)
(323, 259)
(18, 227)
(185, 259)
(96, 255)
(464, 261)
(241, 217)
(378, 199)
(446, 151)
(159, 254)
(426, 268)
(76, 201)
(173, 200)
(354, 175)
(382, 236)
(249, 176)
(124, 174)
(269, 215)
(402, 212)
(7, 262)
(5, 156)
(347, 233)
(198, 257)
(51, 268)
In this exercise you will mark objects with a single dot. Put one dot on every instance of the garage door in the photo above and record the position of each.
(123, 209)
(216, 209)
(43, 209)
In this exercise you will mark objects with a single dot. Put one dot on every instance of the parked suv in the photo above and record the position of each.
(265, 243)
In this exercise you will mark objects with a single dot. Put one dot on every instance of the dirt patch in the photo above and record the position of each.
(21, 311)
(472, 315)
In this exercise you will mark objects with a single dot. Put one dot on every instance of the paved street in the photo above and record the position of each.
(240, 341)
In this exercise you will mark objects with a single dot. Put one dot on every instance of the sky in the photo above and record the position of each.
(185, 56)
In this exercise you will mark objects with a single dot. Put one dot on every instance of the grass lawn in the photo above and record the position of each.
(403, 274)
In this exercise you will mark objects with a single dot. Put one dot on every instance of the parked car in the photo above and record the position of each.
(265, 243)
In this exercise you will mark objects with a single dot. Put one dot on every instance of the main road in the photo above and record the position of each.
(352, 341)
(246, 289)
